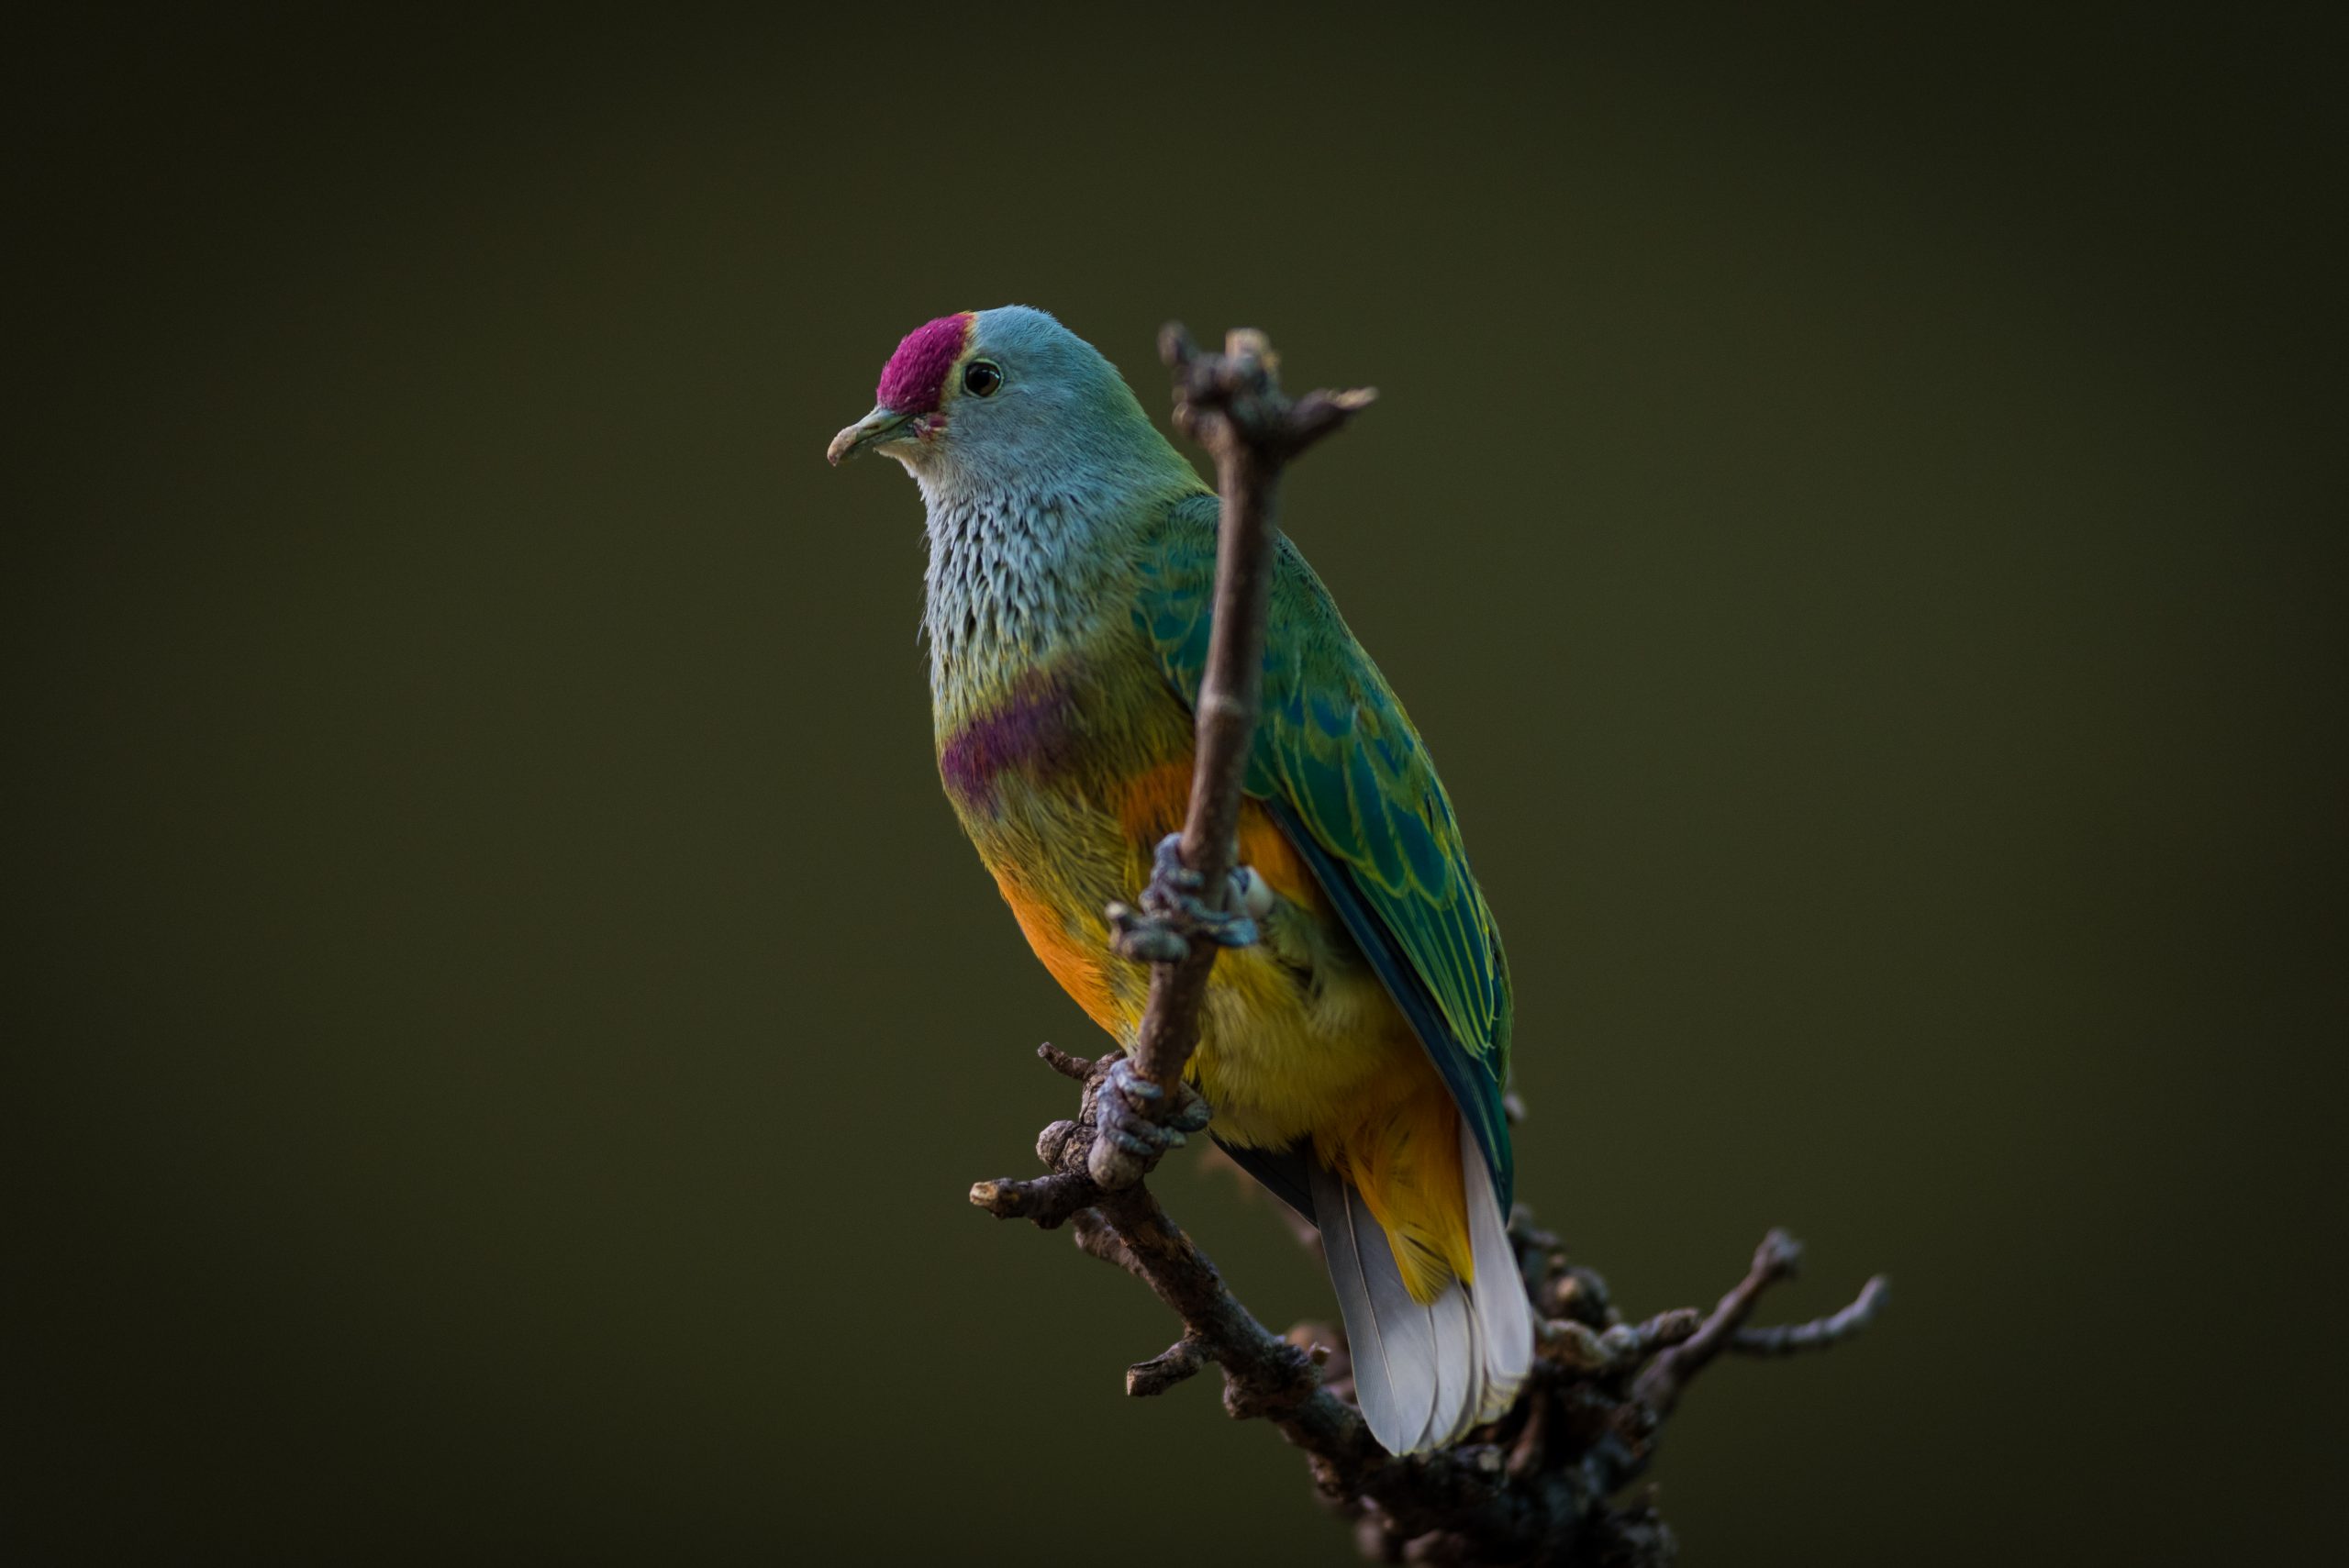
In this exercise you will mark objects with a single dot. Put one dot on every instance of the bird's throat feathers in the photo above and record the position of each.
(1006, 589)
(1019, 579)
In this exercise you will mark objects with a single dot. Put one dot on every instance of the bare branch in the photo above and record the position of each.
(1096, 1237)
(1231, 404)
(1575, 1344)
(1659, 1386)
(1819, 1333)
(1178, 1362)
(1047, 1200)
(1064, 1064)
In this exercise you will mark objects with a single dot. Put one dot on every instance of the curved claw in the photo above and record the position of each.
(1137, 1115)
(1172, 909)
(1188, 1114)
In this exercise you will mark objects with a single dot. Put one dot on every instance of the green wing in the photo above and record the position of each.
(1337, 762)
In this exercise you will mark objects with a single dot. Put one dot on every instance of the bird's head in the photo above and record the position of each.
(994, 398)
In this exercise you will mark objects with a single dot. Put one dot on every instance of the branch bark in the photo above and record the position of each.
(1231, 404)
(1538, 1485)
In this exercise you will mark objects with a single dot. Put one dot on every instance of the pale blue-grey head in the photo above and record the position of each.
(1008, 400)
(1031, 452)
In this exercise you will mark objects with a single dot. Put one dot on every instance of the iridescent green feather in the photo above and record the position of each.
(1336, 757)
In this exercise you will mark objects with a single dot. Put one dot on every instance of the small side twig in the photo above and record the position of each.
(1049, 1201)
(1819, 1333)
(1067, 1063)
(1096, 1237)
(1178, 1362)
(1659, 1386)
(1577, 1344)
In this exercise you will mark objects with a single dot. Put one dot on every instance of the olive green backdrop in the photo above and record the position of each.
(499, 1021)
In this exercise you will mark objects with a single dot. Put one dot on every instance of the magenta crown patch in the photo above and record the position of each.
(914, 380)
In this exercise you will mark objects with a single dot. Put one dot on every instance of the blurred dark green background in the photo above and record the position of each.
(499, 1021)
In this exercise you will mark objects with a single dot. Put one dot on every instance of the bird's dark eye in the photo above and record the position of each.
(981, 377)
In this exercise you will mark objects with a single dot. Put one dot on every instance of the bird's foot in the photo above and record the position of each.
(1172, 913)
(1138, 1122)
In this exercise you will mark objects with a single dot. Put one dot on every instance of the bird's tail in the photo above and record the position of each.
(1426, 1372)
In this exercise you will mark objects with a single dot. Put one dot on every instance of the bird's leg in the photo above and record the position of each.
(1173, 912)
(1137, 1116)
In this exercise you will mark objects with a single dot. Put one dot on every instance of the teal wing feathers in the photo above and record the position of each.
(1337, 762)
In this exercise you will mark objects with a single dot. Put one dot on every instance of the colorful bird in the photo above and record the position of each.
(1355, 1054)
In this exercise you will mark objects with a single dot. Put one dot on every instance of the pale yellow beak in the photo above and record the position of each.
(876, 428)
